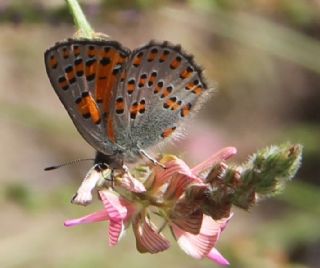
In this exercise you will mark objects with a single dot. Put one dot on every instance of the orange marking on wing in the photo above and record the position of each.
(169, 103)
(123, 76)
(186, 73)
(134, 109)
(76, 50)
(83, 108)
(63, 83)
(176, 63)
(79, 69)
(93, 109)
(166, 91)
(185, 111)
(131, 86)
(158, 87)
(164, 55)
(102, 78)
(198, 90)
(90, 69)
(70, 74)
(190, 86)
(91, 51)
(53, 62)
(152, 79)
(142, 80)
(120, 106)
(65, 52)
(142, 106)
(152, 54)
(168, 132)
(172, 104)
(138, 59)
(89, 109)
(106, 91)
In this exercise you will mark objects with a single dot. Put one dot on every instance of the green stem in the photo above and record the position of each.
(83, 26)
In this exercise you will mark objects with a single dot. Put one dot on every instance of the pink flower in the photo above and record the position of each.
(179, 195)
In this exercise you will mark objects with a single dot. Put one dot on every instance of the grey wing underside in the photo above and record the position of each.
(163, 86)
(85, 74)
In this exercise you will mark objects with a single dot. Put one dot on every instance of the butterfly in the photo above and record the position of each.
(121, 101)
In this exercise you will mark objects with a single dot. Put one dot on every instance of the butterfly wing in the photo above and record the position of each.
(162, 86)
(85, 75)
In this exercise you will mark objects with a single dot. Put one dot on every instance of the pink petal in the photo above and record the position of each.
(198, 246)
(115, 230)
(131, 184)
(172, 167)
(216, 256)
(147, 237)
(178, 185)
(101, 215)
(189, 223)
(223, 222)
(218, 157)
(116, 207)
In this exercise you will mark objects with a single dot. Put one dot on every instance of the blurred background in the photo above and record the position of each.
(264, 56)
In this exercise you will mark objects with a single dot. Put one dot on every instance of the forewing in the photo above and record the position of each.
(163, 85)
(85, 74)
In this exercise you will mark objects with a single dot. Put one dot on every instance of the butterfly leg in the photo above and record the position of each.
(154, 161)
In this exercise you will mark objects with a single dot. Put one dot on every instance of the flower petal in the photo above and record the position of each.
(178, 185)
(116, 207)
(218, 157)
(198, 246)
(147, 237)
(101, 215)
(190, 223)
(128, 182)
(115, 231)
(216, 256)
(172, 167)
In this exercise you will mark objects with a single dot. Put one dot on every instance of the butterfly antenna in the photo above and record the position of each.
(68, 163)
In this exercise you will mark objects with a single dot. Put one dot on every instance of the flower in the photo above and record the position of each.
(177, 194)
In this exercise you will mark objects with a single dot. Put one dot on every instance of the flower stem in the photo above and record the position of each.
(83, 26)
